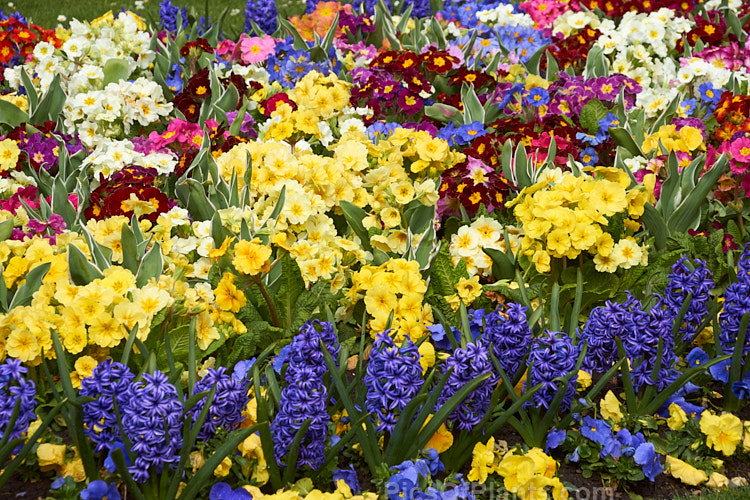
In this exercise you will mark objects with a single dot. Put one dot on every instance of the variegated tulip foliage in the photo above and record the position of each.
(350, 253)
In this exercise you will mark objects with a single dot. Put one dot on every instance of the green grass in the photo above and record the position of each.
(46, 12)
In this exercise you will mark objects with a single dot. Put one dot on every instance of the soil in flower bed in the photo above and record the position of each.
(18, 488)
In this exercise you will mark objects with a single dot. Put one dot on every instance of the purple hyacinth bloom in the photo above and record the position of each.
(229, 400)
(108, 383)
(152, 421)
(467, 364)
(552, 355)
(263, 13)
(510, 336)
(16, 390)
(393, 379)
(305, 397)
(696, 283)
(736, 305)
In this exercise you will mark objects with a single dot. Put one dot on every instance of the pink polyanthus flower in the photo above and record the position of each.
(225, 47)
(740, 149)
(256, 49)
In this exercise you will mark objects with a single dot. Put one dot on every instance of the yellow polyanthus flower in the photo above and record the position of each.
(250, 257)
(723, 433)
(222, 470)
(469, 289)
(228, 296)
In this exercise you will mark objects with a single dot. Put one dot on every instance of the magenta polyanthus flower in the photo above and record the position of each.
(409, 102)
(740, 149)
(256, 49)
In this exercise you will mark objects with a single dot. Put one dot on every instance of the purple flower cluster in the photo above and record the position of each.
(642, 344)
(14, 388)
(466, 364)
(152, 420)
(108, 383)
(570, 94)
(640, 332)
(226, 407)
(263, 13)
(552, 355)
(605, 323)
(736, 304)
(621, 444)
(305, 397)
(698, 283)
(510, 336)
(168, 14)
(394, 377)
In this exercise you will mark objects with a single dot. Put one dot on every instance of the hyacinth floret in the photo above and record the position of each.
(510, 336)
(108, 383)
(736, 304)
(467, 364)
(305, 396)
(168, 14)
(394, 377)
(552, 355)
(263, 13)
(642, 344)
(698, 283)
(14, 388)
(229, 400)
(305, 351)
(605, 324)
(152, 421)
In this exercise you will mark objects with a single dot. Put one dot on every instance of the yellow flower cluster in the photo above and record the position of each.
(686, 139)
(471, 240)
(19, 101)
(9, 153)
(530, 475)
(395, 287)
(297, 152)
(566, 218)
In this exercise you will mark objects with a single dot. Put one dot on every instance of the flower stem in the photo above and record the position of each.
(269, 302)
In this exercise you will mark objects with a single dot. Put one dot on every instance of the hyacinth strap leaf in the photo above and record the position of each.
(291, 457)
(74, 413)
(12, 115)
(119, 459)
(31, 442)
(5, 447)
(33, 281)
(366, 436)
(731, 402)
(688, 214)
(666, 203)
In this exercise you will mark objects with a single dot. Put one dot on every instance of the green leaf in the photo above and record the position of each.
(623, 138)
(6, 229)
(687, 215)
(12, 114)
(590, 115)
(115, 69)
(354, 217)
(655, 225)
(151, 266)
(33, 281)
(81, 271)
